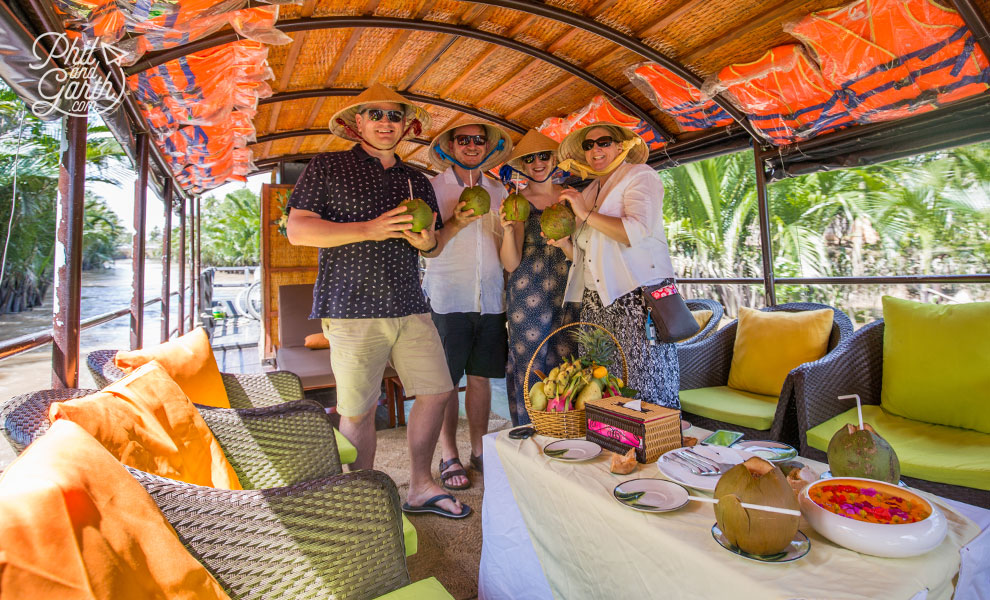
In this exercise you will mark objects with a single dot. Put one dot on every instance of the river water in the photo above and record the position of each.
(102, 291)
(106, 291)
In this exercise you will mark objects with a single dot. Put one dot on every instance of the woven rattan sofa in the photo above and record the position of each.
(696, 304)
(856, 367)
(244, 390)
(305, 530)
(706, 365)
(268, 447)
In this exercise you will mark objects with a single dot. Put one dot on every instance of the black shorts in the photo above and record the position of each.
(474, 343)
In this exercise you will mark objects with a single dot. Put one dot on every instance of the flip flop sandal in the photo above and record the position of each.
(478, 463)
(430, 506)
(449, 474)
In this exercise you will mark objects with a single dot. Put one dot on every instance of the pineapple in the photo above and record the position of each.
(595, 346)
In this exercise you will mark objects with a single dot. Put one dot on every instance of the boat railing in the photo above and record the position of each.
(30, 341)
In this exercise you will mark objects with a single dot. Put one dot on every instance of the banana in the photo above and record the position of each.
(553, 374)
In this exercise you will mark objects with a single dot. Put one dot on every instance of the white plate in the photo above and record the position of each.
(768, 449)
(654, 495)
(574, 450)
(798, 547)
(683, 475)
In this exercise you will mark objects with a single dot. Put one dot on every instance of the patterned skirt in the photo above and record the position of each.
(653, 369)
(535, 308)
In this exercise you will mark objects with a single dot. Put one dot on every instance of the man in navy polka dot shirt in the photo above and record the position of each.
(367, 291)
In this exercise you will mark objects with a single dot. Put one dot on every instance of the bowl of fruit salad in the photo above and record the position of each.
(873, 517)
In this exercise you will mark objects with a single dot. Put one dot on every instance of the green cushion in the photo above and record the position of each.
(409, 535)
(347, 451)
(723, 403)
(930, 452)
(424, 589)
(935, 362)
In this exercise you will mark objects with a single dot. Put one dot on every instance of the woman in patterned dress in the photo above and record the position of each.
(537, 276)
(618, 248)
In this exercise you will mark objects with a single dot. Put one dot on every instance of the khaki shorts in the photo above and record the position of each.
(360, 349)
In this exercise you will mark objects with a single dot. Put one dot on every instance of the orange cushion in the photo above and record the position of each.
(770, 344)
(316, 341)
(76, 525)
(146, 422)
(189, 361)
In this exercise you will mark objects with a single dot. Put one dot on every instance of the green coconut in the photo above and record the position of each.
(557, 221)
(537, 398)
(756, 481)
(422, 214)
(516, 208)
(855, 452)
(476, 199)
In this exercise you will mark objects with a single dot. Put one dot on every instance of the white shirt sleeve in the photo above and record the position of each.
(642, 205)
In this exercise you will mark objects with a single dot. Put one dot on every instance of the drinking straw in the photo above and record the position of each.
(773, 509)
(859, 407)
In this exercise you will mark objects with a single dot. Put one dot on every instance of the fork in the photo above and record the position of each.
(681, 462)
(701, 467)
(721, 466)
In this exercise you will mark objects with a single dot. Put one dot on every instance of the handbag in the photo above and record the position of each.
(673, 321)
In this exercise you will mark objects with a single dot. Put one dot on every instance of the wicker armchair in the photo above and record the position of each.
(855, 367)
(717, 313)
(336, 537)
(706, 364)
(244, 390)
(273, 446)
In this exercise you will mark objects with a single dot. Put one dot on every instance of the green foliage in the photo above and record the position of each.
(35, 146)
(927, 214)
(231, 229)
(103, 234)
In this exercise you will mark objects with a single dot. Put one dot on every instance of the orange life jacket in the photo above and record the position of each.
(678, 98)
(203, 88)
(257, 24)
(200, 108)
(784, 95)
(895, 58)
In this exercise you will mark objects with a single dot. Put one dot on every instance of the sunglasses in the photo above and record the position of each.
(544, 156)
(603, 142)
(376, 114)
(464, 140)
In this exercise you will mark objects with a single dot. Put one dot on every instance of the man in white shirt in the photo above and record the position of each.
(465, 284)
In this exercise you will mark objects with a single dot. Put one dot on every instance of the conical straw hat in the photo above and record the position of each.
(374, 94)
(570, 147)
(494, 133)
(532, 142)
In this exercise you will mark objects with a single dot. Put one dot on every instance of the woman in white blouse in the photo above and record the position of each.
(618, 248)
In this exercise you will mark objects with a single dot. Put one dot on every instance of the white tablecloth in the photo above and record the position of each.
(510, 569)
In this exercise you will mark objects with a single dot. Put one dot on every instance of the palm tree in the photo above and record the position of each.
(710, 214)
(232, 229)
(34, 146)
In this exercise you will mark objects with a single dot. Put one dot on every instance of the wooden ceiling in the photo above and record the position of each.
(515, 62)
(702, 35)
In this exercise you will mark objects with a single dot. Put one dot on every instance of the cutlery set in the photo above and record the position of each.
(697, 464)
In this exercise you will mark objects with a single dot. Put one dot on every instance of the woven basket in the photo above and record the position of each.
(570, 424)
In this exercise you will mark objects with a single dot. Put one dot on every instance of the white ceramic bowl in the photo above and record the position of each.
(889, 541)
